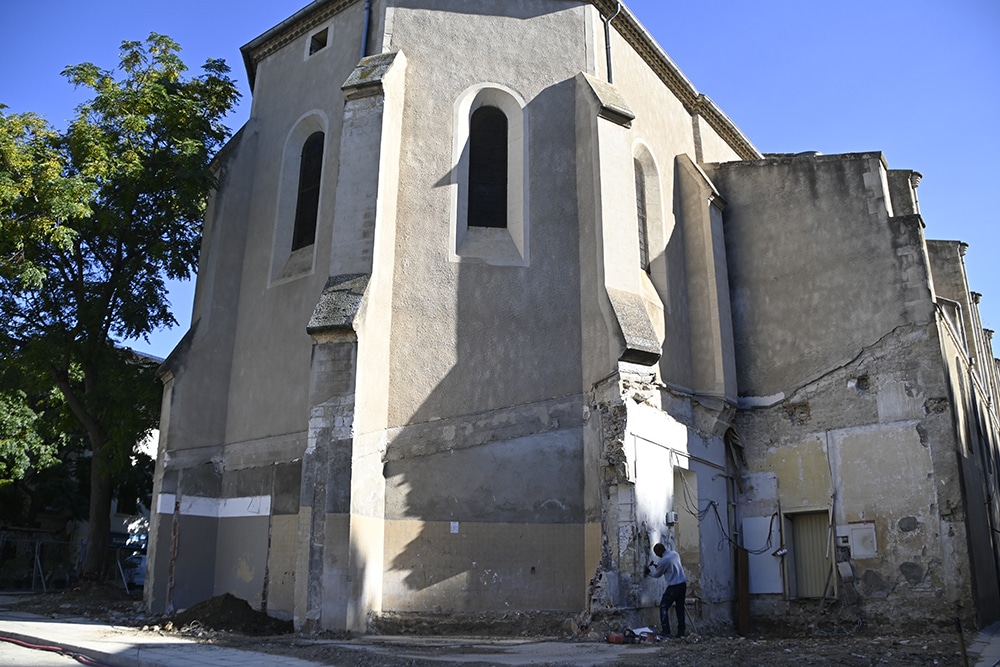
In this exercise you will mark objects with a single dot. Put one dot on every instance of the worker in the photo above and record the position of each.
(669, 567)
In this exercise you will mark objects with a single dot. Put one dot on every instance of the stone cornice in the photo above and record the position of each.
(695, 103)
(287, 31)
(625, 23)
(339, 304)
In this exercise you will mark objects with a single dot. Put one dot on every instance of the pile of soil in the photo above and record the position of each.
(230, 614)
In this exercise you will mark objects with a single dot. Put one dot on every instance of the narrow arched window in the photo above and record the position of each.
(487, 168)
(640, 210)
(307, 201)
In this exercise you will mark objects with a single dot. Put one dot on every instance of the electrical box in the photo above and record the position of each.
(671, 518)
(860, 537)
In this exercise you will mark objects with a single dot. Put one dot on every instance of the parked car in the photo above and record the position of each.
(135, 569)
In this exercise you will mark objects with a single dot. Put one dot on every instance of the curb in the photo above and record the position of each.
(109, 659)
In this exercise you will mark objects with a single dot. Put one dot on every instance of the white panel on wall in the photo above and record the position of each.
(765, 568)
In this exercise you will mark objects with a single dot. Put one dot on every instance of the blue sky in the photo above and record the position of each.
(916, 79)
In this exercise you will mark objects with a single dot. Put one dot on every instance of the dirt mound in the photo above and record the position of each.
(228, 612)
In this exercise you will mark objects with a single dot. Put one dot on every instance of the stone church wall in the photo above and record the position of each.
(415, 415)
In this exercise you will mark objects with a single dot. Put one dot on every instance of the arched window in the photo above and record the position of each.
(487, 168)
(307, 201)
(651, 232)
(640, 210)
(489, 212)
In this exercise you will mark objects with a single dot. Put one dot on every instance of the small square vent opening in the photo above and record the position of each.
(318, 41)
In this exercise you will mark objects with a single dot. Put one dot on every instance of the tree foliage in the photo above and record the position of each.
(95, 220)
(41, 445)
(38, 193)
(22, 446)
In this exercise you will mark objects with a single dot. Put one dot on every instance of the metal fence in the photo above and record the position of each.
(40, 564)
(37, 564)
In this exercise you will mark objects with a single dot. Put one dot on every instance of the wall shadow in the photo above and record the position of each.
(491, 460)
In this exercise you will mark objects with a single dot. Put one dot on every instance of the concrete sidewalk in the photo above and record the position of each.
(129, 647)
(985, 650)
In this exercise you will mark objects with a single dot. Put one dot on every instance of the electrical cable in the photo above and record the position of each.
(700, 514)
(79, 657)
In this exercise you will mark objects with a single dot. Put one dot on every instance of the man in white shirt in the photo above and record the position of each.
(669, 567)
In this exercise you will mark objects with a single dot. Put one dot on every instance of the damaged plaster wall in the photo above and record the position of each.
(845, 409)
(890, 470)
(974, 389)
(663, 481)
(656, 412)
(485, 514)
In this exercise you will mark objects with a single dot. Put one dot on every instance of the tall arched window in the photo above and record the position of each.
(487, 168)
(489, 212)
(640, 210)
(307, 201)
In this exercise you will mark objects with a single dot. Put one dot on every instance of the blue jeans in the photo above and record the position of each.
(674, 595)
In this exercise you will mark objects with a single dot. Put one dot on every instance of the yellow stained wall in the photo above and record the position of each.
(885, 475)
(803, 475)
(483, 566)
(281, 565)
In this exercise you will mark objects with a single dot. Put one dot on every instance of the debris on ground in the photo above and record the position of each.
(229, 613)
(98, 600)
(230, 621)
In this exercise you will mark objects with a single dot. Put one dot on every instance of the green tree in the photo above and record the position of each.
(38, 193)
(40, 447)
(22, 447)
(95, 236)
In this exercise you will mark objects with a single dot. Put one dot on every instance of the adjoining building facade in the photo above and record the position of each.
(491, 300)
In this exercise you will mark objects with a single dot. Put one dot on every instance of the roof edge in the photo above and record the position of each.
(626, 23)
(300, 22)
(632, 30)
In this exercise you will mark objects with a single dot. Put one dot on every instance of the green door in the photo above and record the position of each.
(811, 532)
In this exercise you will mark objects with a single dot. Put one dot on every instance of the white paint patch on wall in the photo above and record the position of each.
(899, 401)
(747, 402)
(654, 445)
(650, 426)
(215, 508)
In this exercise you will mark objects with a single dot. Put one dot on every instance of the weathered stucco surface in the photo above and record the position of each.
(848, 411)
(414, 417)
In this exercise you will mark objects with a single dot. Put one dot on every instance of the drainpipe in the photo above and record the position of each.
(607, 39)
(364, 35)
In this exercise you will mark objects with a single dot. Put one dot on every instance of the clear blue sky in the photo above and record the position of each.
(916, 79)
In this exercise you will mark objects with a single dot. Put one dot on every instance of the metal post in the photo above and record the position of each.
(38, 568)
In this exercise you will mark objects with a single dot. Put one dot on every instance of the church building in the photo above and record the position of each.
(491, 300)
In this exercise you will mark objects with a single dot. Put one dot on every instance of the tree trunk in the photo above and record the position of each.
(99, 518)
(101, 486)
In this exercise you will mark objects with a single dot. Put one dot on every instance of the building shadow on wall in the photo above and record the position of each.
(498, 440)
(518, 330)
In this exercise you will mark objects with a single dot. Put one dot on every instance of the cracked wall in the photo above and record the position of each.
(892, 469)
(846, 413)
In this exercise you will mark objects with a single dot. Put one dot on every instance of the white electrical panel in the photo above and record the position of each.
(860, 538)
(863, 540)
